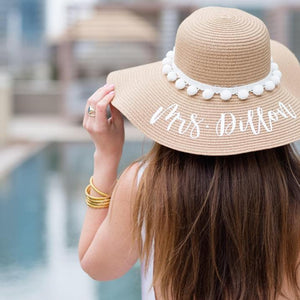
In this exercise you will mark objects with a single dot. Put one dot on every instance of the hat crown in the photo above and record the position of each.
(223, 47)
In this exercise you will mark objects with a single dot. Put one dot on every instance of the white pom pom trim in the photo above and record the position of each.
(180, 84)
(243, 94)
(277, 73)
(208, 94)
(173, 74)
(225, 95)
(275, 79)
(166, 69)
(192, 90)
(270, 86)
(167, 61)
(258, 90)
(274, 66)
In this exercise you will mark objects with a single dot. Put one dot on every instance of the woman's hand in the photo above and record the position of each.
(107, 134)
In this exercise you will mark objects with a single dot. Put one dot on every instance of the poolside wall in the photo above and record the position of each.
(5, 111)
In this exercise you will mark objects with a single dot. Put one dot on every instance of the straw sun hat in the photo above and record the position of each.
(224, 89)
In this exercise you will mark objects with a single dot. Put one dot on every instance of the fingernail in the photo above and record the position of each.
(106, 85)
(111, 85)
(112, 92)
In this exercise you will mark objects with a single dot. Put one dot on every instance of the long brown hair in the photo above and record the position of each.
(223, 227)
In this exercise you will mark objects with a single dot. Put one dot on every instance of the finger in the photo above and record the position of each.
(90, 100)
(100, 93)
(89, 122)
(97, 91)
(117, 117)
(85, 114)
(101, 109)
(93, 100)
(86, 111)
(84, 121)
(86, 117)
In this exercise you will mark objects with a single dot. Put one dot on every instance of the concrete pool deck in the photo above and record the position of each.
(56, 129)
(29, 134)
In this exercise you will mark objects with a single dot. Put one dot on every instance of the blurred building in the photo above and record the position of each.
(99, 37)
(91, 47)
(22, 33)
(294, 37)
(96, 37)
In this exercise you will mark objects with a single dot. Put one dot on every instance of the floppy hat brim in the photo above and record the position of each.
(214, 127)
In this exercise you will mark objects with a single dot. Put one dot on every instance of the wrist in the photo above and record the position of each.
(105, 172)
(110, 160)
(105, 167)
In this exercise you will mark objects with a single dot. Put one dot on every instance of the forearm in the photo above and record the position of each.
(104, 178)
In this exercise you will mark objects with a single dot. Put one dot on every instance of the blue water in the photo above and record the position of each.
(41, 213)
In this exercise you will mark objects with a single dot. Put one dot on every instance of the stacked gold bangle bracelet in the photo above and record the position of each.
(96, 202)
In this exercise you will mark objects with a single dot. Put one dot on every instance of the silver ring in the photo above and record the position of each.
(91, 111)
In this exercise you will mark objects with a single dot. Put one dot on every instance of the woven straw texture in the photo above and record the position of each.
(224, 47)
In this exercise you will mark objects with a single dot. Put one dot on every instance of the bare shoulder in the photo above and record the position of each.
(126, 186)
(130, 174)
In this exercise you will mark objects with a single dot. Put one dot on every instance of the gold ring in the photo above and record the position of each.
(91, 111)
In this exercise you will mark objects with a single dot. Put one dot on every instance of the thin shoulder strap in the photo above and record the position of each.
(140, 172)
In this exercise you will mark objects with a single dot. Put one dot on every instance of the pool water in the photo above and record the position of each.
(41, 213)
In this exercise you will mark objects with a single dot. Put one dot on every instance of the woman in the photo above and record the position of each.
(213, 209)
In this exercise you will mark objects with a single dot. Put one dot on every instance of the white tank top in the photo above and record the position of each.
(146, 280)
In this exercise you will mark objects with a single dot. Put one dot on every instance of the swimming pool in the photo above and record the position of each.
(41, 213)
